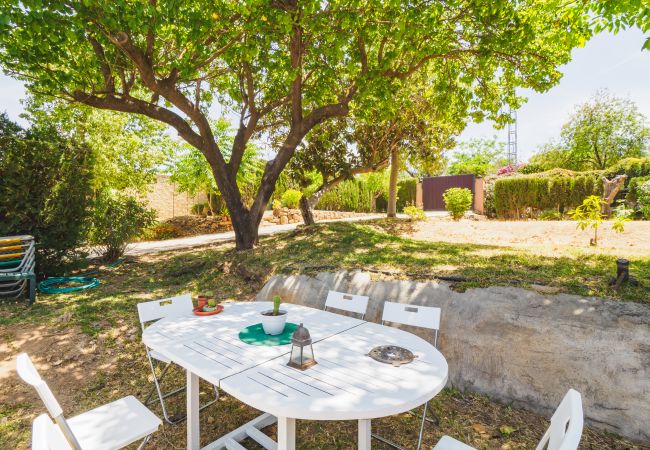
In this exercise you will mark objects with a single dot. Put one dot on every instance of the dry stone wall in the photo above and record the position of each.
(520, 346)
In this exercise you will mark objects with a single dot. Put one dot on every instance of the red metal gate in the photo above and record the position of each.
(434, 187)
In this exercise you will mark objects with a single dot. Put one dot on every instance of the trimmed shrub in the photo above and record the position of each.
(117, 220)
(520, 196)
(291, 198)
(349, 195)
(457, 201)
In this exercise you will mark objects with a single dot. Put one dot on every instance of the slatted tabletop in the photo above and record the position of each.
(210, 347)
(345, 384)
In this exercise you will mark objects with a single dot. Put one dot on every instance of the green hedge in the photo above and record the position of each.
(515, 197)
(558, 189)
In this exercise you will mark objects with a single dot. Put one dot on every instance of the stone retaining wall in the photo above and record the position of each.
(520, 346)
(283, 216)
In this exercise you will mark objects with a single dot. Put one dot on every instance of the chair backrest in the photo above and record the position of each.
(566, 425)
(47, 436)
(413, 315)
(167, 307)
(30, 375)
(347, 302)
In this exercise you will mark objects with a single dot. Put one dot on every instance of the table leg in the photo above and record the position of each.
(286, 433)
(193, 430)
(365, 434)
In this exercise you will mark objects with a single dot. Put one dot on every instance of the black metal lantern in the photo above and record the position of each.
(302, 352)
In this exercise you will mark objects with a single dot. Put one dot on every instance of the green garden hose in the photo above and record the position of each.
(48, 286)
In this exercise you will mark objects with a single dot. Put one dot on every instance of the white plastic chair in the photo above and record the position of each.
(110, 427)
(152, 311)
(563, 434)
(415, 316)
(347, 302)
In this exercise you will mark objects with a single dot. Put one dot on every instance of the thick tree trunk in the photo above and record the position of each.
(246, 230)
(610, 189)
(305, 210)
(392, 186)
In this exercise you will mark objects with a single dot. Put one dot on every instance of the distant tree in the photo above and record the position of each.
(598, 134)
(480, 157)
(603, 131)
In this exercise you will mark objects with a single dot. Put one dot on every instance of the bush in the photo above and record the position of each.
(117, 220)
(457, 201)
(415, 213)
(45, 191)
(277, 204)
(644, 199)
(291, 198)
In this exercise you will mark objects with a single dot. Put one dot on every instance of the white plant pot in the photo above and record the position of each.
(274, 325)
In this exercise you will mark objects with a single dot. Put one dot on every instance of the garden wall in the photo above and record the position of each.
(520, 346)
(168, 202)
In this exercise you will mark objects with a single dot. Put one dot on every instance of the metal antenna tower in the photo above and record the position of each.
(511, 153)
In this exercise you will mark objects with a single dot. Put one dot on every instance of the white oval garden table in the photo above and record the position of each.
(344, 385)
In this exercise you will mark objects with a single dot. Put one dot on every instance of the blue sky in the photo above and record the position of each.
(613, 62)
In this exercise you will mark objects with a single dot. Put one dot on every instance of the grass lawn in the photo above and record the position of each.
(88, 344)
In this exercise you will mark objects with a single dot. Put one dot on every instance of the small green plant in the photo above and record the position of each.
(457, 201)
(291, 198)
(414, 213)
(276, 305)
(212, 303)
(550, 214)
(589, 215)
(277, 204)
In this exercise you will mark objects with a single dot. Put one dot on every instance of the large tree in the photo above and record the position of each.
(283, 64)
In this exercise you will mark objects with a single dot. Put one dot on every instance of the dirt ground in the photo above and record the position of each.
(547, 235)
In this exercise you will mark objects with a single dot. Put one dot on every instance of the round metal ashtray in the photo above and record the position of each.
(392, 354)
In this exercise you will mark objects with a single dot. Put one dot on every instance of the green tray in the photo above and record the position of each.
(255, 335)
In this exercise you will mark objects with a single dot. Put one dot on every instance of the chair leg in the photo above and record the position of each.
(420, 435)
(172, 420)
(424, 419)
(144, 442)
